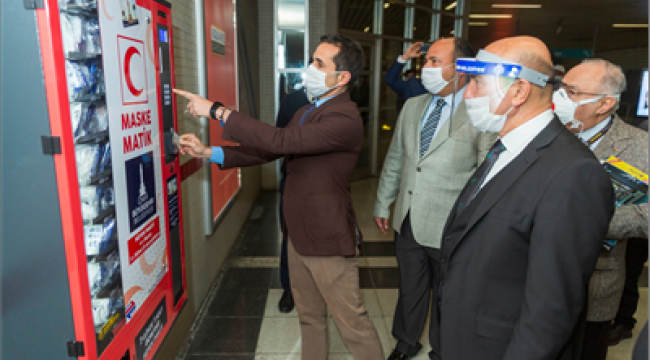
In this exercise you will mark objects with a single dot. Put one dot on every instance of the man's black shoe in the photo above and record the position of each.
(286, 302)
(396, 355)
(618, 333)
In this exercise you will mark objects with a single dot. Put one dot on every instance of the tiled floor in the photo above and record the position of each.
(242, 321)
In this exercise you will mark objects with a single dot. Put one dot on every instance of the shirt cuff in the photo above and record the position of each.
(217, 155)
(400, 60)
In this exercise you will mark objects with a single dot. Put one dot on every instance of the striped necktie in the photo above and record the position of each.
(429, 128)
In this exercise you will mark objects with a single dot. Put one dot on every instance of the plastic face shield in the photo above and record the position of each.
(491, 76)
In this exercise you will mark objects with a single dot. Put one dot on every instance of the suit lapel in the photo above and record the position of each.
(458, 120)
(614, 142)
(510, 174)
(315, 114)
(419, 115)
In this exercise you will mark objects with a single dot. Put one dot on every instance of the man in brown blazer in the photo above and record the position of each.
(586, 102)
(321, 146)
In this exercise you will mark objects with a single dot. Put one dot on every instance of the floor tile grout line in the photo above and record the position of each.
(203, 310)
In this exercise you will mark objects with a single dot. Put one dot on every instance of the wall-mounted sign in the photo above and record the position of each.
(218, 41)
(573, 53)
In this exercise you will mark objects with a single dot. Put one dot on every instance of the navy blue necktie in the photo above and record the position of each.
(307, 112)
(429, 128)
(474, 184)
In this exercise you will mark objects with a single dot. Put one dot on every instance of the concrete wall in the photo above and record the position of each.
(205, 256)
(320, 25)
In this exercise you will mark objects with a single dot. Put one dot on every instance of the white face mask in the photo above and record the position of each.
(315, 81)
(478, 112)
(565, 108)
(432, 79)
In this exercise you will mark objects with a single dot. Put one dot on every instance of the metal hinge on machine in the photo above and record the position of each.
(33, 4)
(75, 348)
(51, 145)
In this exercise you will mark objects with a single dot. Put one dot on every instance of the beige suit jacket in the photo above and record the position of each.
(606, 286)
(428, 186)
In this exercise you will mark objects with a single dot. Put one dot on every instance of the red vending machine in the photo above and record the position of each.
(108, 74)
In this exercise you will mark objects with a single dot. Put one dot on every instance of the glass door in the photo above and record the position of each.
(361, 94)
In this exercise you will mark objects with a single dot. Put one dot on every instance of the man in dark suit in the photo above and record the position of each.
(523, 238)
(409, 87)
(321, 146)
(289, 105)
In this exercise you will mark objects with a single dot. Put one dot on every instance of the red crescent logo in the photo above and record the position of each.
(127, 70)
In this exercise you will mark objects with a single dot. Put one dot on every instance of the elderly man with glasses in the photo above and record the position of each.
(586, 102)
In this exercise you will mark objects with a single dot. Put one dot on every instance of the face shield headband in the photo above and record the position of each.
(487, 63)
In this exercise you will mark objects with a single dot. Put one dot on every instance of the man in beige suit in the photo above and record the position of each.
(430, 159)
(586, 102)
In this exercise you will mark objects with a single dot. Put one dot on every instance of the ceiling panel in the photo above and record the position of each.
(560, 23)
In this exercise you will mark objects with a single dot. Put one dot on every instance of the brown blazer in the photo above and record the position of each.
(320, 157)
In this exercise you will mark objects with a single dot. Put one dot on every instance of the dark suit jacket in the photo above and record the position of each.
(406, 89)
(321, 155)
(289, 106)
(516, 262)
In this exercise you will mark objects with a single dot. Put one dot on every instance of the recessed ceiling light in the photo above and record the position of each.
(386, 5)
(517, 6)
(478, 23)
(366, 29)
(638, 26)
(451, 6)
(490, 16)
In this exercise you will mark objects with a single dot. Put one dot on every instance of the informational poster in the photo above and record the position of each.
(132, 103)
(221, 67)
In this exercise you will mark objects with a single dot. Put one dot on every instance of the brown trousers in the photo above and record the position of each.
(333, 281)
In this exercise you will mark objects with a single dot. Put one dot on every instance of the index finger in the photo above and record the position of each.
(183, 93)
(187, 138)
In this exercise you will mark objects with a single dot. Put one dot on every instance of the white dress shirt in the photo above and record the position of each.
(446, 110)
(516, 141)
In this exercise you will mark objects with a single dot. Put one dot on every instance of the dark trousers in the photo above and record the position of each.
(284, 262)
(635, 257)
(595, 341)
(418, 274)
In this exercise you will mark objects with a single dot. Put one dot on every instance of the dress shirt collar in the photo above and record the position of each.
(520, 137)
(588, 134)
(320, 101)
(457, 99)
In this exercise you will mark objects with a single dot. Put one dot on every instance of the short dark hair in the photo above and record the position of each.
(409, 71)
(350, 57)
(462, 49)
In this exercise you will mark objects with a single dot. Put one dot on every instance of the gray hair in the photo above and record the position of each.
(613, 81)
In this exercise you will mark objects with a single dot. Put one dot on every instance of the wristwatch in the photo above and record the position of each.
(213, 109)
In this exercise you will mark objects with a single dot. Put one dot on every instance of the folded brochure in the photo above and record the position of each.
(630, 183)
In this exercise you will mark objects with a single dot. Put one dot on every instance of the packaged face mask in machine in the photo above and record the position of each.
(98, 237)
(104, 308)
(88, 160)
(92, 38)
(79, 82)
(72, 27)
(106, 160)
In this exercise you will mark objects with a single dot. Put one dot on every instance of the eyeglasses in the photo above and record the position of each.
(573, 91)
